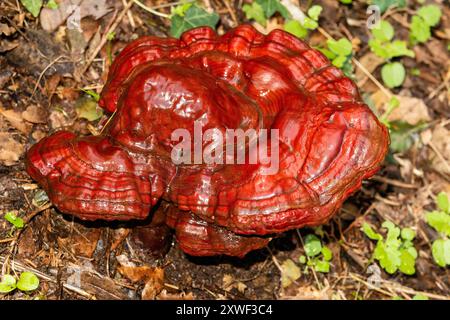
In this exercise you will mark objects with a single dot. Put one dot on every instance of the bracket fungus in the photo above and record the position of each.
(328, 140)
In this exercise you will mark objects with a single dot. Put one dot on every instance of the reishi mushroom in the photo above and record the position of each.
(329, 140)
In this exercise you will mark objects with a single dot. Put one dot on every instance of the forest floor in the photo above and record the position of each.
(41, 77)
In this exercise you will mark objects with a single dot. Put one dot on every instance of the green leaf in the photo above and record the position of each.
(294, 27)
(33, 6)
(390, 50)
(408, 261)
(393, 74)
(255, 12)
(420, 30)
(14, 220)
(339, 61)
(289, 272)
(193, 17)
(52, 4)
(440, 221)
(442, 202)
(272, 6)
(314, 12)
(346, 1)
(441, 252)
(322, 266)
(431, 14)
(28, 281)
(420, 297)
(302, 259)
(341, 47)
(385, 4)
(327, 254)
(93, 94)
(368, 231)
(310, 24)
(87, 108)
(408, 234)
(8, 284)
(180, 9)
(384, 31)
(399, 48)
(312, 245)
(329, 54)
(388, 257)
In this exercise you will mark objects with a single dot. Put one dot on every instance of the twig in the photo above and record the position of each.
(397, 288)
(440, 156)
(105, 36)
(42, 74)
(22, 267)
(151, 10)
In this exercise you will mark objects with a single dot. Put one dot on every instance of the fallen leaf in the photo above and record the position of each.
(6, 30)
(441, 142)
(153, 277)
(34, 114)
(290, 273)
(411, 110)
(87, 108)
(82, 244)
(76, 9)
(10, 149)
(16, 120)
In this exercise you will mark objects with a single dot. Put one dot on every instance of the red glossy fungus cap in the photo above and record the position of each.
(329, 140)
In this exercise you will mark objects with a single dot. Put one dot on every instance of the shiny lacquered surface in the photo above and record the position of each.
(329, 140)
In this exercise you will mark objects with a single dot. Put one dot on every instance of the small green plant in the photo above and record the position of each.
(16, 221)
(381, 43)
(189, 15)
(317, 256)
(440, 221)
(261, 10)
(27, 282)
(300, 29)
(33, 6)
(340, 53)
(397, 251)
(421, 23)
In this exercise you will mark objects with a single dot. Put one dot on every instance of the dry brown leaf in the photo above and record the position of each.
(34, 114)
(10, 149)
(84, 244)
(16, 120)
(153, 277)
(78, 9)
(441, 141)
(411, 110)
(6, 30)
